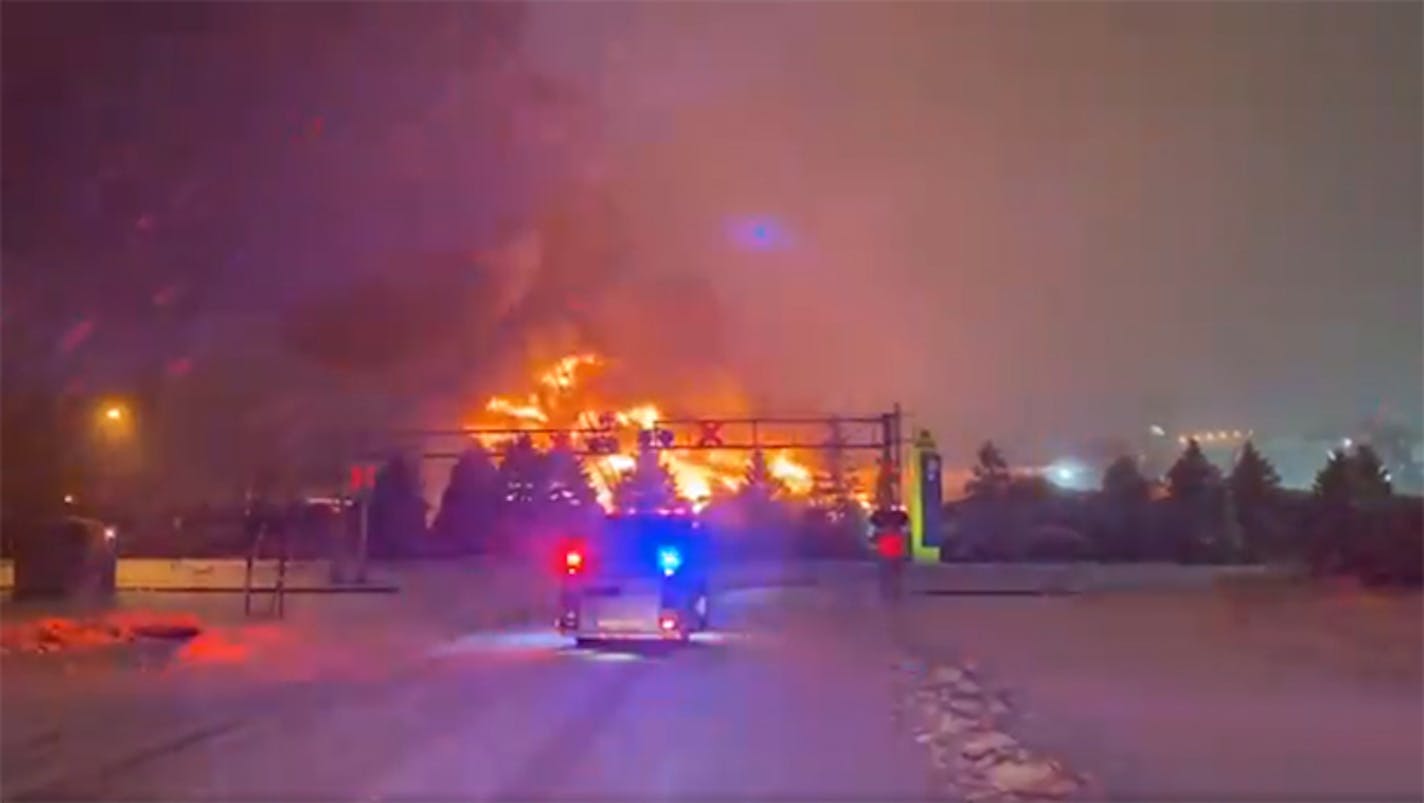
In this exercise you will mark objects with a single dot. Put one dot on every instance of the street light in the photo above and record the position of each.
(114, 417)
(113, 451)
(113, 428)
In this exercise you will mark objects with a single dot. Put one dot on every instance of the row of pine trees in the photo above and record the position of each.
(489, 504)
(1196, 513)
(1349, 521)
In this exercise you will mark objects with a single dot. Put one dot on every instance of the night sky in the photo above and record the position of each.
(1039, 222)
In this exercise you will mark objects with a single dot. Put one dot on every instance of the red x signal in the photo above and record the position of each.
(363, 476)
(711, 433)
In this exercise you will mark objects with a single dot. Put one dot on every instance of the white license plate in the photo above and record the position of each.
(621, 624)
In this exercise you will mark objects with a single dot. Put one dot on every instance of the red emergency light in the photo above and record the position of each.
(573, 561)
(890, 544)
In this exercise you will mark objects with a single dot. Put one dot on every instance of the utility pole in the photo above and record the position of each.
(363, 537)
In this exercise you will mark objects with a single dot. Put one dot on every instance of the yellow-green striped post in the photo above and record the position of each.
(925, 499)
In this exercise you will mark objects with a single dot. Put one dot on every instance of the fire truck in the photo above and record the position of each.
(642, 576)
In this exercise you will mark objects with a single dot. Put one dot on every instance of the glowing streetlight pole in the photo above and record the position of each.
(114, 450)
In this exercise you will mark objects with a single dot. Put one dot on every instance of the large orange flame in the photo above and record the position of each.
(554, 404)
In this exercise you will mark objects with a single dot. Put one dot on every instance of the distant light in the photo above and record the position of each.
(69, 499)
(114, 413)
(1347, 443)
(759, 234)
(1157, 430)
(1065, 473)
(111, 533)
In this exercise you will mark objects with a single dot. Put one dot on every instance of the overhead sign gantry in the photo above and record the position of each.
(878, 433)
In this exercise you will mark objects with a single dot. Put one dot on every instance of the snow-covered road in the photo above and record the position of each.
(1200, 692)
(791, 697)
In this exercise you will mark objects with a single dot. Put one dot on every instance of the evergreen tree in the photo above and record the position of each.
(397, 515)
(1368, 474)
(1192, 475)
(1030, 488)
(1254, 487)
(758, 482)
(1351, 477)
(1253, 480)
(833, 492)
(756, 514)
(1332, 483)
(470, 504)
(1123, 482)
(1198, 528)
(991, 473)
(1125, 493)
(567, 483)
(1394, 442)
(648, 487)
(522, 480)
(833, 489)
(1342, 483)
(522, 494)
(834, 522)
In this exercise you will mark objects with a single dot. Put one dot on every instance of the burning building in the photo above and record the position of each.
(567, 397)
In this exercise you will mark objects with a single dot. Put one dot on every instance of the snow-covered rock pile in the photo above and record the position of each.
(965, 726)
(57, 633)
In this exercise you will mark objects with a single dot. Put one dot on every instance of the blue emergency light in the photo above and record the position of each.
(669, 560)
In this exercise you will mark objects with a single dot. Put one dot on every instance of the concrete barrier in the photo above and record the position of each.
(221, 575)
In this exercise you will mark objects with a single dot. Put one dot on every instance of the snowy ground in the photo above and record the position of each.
(1246, 691)
(784, 700)
(456, 688)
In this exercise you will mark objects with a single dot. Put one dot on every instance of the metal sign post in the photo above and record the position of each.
(363, 536)
(363, 482)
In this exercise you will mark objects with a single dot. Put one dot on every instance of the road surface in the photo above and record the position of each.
(1289, 693)
(791, 697)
